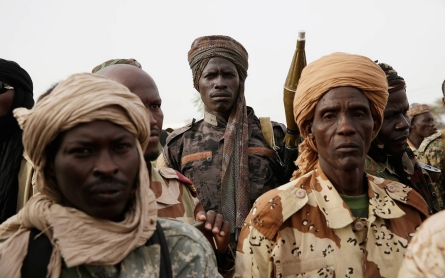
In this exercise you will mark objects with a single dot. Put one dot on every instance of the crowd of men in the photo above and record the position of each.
(88, 190)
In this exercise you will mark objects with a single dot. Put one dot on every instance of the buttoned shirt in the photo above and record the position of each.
(305, 229)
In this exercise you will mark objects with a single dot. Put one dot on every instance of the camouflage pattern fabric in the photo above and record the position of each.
(420, 180)
(111, 62)
(305, 229)
(431, 152)
(196, 152)
(174, 197)
(425, 256)
(190, 253)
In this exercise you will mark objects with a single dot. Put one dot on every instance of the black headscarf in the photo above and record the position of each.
(11, 147)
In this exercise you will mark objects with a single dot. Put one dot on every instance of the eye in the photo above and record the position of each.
(155, 106)
(359, 114)
(329, 116)
(123, 146)
(81, 151)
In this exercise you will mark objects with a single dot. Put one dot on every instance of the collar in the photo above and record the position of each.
(337, 213)
(214, 120)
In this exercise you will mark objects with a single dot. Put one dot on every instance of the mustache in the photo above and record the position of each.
(107, 180)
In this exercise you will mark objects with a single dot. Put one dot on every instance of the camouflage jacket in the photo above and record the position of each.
(425, 256)
(420, 180)
(175, 195)
(432, 152)
(196, 152)
(190, 253)
(305, 229)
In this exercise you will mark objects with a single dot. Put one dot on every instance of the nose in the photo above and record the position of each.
(403, 123)
(105, 165)
(220, 82)
(152, 119)
(345, 125)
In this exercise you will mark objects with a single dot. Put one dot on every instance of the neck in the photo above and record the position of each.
(346, 182)
(415, 139)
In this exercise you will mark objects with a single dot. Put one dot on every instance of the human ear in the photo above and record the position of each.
(307, 127)
(377, 124)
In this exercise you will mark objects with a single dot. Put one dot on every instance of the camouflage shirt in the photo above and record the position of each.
(175, 195)
(190, 255)
(418, 177)
(431, 152)
(425, 256)
(196, 152)
(305, 229)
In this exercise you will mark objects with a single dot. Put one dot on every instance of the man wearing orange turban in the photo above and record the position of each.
(333, 219)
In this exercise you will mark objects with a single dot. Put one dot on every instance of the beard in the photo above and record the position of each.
(151, 155)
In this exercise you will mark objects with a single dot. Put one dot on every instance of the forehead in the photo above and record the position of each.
(97, 130)
(341, 96)
(397, 100)
(219, 62)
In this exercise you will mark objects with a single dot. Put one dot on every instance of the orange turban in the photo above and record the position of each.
(324, 74)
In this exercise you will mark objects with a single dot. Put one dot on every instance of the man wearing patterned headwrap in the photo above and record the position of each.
(389, 156)
(16, 90)
(95, 214)
(226, 155)
(333, 220)
(422, 125)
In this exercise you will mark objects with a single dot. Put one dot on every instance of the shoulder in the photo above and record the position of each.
(178, 133)
(398, 192)
(274, 207)
(185, 236)
(427, 142)
(169, 173)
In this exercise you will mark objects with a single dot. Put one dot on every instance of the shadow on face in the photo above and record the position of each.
(96, 167)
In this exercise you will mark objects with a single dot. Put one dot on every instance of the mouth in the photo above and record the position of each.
(221, 95)
(154, 133)
(401, 139)
(347, 147)
(107, 192)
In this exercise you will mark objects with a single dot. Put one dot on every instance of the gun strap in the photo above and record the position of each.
(267, 130)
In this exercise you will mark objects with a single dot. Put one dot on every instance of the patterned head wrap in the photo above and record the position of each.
(81, 239)
(111, 62)
(324, 74)
(395, 82)
(235, 193)
(205, 48)
(417, 110)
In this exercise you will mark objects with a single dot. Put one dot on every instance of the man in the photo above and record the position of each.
(225, 155)
(431, 151)
(16, 90)
(422, 125)
(389, 156)
(94, 211)
(175, 194)
(333, 220)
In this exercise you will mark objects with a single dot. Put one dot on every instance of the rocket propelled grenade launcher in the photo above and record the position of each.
(293, 138)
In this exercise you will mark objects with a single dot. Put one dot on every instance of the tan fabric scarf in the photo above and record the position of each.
(77, 237)
(335, 70)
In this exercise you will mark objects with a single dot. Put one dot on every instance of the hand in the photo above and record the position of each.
(217, 230)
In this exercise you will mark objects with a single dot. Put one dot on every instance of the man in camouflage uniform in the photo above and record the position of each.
(225, 155)
(422, 125)
(389, 156)
(95, 213)
(333, 220)
(432, 152)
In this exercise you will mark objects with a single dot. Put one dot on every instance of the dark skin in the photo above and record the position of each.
(219, 86)
(6, 100)
(342, 128)
(141, 84)
(421, 126)
(395, 128)
(96, 168)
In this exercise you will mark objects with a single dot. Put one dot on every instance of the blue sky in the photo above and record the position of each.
(53, 39)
